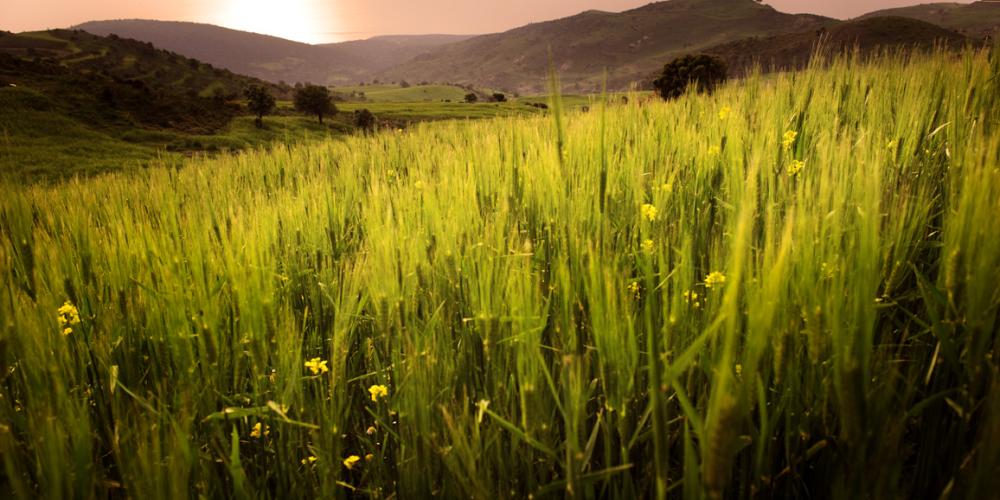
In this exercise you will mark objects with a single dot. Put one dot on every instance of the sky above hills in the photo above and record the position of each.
(321, 21)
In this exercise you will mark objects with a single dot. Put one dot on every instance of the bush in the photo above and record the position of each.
(498, 97)
(364, 120)
(471, 97)
(260, 102)
(704, 72)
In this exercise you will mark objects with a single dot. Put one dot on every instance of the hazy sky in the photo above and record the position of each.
(334, 20)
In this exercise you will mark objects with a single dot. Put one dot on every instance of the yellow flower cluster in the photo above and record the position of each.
(68, 316)
(724, 112)
(260, 430)
(692, 299)
(648, 247)
(309, 460)
(789, 140)
(795, 167)
(633, 288)
(317, 366)
(649, 212)
(715, 279)
(378, 391)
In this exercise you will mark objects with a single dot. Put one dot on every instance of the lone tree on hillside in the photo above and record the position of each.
(471, 97)
(315, 100)
(364, 120)
(704, 72)
(260, 102)
(498, 97)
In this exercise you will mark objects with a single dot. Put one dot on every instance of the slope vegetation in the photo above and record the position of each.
(795, 50)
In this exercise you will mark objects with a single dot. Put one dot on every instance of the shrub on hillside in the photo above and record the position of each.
(471, 97)
(364, 120)
(703, 72)
(260, 102)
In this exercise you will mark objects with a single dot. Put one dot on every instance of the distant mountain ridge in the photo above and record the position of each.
(629, 44)
(272, 58)
(626, 46)
(978, 19)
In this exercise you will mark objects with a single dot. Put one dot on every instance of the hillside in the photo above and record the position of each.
(978, 19)
(629, 44)
(272, 58)
(794, 50)
(71, 102)
(152, 86)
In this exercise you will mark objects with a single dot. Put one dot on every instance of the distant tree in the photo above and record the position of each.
(498, 97)
(704, 72)
(404, 84)
(364, 120)
(314, 100)
(471, 97)
(260, 102)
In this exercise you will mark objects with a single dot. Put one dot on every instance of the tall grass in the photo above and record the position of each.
(535, 325)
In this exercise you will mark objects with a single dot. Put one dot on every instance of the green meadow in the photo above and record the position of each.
(787, 289)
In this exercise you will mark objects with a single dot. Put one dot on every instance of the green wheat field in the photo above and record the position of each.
(787, 289)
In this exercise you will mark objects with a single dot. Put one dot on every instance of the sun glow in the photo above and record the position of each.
(301, 20)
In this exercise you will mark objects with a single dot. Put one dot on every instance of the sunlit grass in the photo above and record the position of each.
(663, 308)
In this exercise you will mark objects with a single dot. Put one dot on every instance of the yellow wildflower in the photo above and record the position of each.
(714, 150)
(317, 366)
(350, 461)
(648, 247)
(739, 369)
(649, 212)
(795, 167)
(260, 430)
(715, 279)
(308, 460)
(369, 457)
(789, 140)
(68, 315)
(724, 112)
(691, 298)
(419, 185)
(633, 288)
(378, 391)
(371, 430)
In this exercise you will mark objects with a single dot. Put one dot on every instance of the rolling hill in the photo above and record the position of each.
(271, 58)
(794, 50)
(629, 44)
(977, 19)
(124, 81)
(73, 102)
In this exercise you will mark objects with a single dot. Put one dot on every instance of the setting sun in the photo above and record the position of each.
(300, 20)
